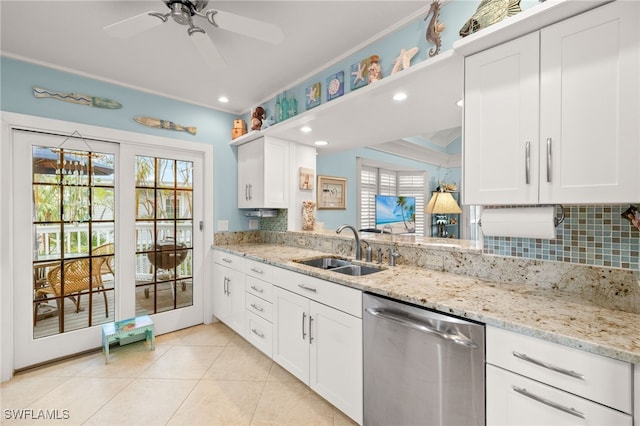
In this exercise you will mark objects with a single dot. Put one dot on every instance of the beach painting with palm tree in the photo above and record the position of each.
(396, 211)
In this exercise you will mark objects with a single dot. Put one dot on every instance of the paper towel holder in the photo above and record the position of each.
(556, 221)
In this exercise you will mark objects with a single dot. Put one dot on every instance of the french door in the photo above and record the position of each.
(103, 231)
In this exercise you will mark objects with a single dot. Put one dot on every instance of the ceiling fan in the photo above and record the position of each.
(183, 13)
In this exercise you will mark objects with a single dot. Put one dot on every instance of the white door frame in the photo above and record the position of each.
(11, 121)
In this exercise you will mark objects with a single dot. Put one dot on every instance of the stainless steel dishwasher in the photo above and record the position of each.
(421, 367)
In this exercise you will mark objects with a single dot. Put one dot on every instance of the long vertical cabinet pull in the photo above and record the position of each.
(548, 160)
(246, 192)
(304, 333)
(310, 338)
(250, 191)
(527, 162)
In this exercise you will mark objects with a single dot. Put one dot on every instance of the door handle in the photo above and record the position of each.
(257, 308)
(572, 411)
(258, 289)
(257, 271)
(257, 333)
(390, 315)
(304, 334)
(304, 287)
(527, 162)
(548, 366)
(310, 338)
(548, 160)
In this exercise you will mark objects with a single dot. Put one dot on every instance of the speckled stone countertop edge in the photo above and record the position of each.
(552, 316)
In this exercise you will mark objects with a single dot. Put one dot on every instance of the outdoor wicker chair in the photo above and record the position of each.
(76, 278)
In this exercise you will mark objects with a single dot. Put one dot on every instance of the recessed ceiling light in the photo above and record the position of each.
(305, 129)
(223, 99)
(400, 96)
(321, 143)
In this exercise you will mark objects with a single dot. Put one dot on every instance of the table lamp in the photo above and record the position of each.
(442, 203)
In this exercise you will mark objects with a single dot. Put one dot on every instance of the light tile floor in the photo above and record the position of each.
(203, 375)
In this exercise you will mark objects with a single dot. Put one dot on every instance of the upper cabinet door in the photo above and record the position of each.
(501, 124)
(590, 86)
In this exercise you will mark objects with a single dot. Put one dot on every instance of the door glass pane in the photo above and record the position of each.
(74, 232)
(164, 258)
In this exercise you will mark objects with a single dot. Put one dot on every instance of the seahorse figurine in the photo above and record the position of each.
(434, 28)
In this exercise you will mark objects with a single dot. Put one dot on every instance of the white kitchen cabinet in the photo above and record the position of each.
(551, 117)
(229, 293)
(322, 347)
(516, 400)
(533, 382)
(263, 173)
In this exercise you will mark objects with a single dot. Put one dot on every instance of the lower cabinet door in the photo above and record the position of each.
(259, 333)
(291, 333)
(336, 358)
(516, 400)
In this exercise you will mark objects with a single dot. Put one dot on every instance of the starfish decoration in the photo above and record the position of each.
(403, 61)
(311, 94)
(359, 75)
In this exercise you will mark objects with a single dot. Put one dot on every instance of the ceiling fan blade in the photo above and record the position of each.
(132, 26)
(249, 27)
(207, 50)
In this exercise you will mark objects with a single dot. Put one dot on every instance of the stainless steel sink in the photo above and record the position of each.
(341, 265)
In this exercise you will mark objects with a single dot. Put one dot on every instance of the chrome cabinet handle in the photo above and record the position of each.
(548, 366)
(228, 291)
(548, 160)
(310, 338)
(527, 162)
(572, 411)
(250, 191)
(246, 192)
(226, 259)
(391, 315)
(257, 271)
(257, 333)
(257, 308)
(304, 333)
(224, 285)
(304, 287)
(259, 290)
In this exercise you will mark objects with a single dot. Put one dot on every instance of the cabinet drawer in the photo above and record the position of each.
(229, 260)
(259, 307)
(591, 376)
(260, 270)
(260, 333)
(262, 289)
(337, 296)
(516, 400)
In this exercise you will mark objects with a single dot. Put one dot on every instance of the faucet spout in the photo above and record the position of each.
(355, 234)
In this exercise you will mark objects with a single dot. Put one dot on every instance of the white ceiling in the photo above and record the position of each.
(69, 35)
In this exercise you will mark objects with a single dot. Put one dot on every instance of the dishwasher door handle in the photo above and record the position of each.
(394, 316)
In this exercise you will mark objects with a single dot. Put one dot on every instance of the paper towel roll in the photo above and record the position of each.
(524, 222)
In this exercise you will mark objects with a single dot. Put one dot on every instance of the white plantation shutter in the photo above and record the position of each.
(414, 184)
(374, 180)
(368, 188)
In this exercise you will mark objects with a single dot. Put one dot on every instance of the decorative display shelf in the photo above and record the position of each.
(369, 116)
(247, 137)
(525, 22)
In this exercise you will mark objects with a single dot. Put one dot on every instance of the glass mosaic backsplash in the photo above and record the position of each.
(278, 223)
(590, 235)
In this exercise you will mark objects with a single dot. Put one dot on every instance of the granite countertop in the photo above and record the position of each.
(548, 314)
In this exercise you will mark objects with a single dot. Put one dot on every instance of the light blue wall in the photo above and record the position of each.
(343, 164)
(214, 127)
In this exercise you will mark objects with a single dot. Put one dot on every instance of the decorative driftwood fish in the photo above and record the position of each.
(434, 28)
(164, 124)
(488, 13)
(76, 98)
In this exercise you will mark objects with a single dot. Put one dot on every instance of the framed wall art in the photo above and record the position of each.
(305, 178)
(332, 193)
